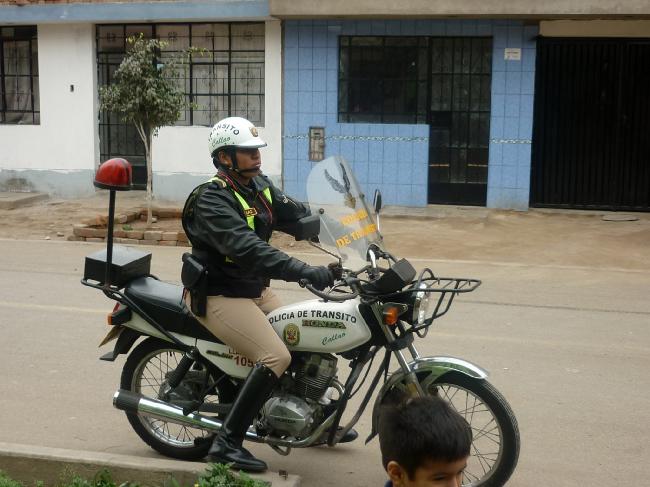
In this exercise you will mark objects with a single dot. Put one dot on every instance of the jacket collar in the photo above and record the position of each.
(257, 184)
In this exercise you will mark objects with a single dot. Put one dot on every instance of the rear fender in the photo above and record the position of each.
(432, 368)
(124, 342)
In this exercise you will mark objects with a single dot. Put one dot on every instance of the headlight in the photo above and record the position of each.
(421, 306)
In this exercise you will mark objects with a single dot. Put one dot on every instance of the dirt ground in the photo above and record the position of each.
(537, 237)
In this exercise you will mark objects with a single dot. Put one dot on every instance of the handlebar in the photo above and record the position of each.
(326, 296)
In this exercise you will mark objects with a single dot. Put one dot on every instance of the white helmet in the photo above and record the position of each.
(234, 132)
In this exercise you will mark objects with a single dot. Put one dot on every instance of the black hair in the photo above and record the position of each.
(420, 430)
(230, 150)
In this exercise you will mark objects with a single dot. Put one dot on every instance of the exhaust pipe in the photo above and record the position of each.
(131, 402)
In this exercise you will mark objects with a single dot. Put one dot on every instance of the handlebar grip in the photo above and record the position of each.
(336, 270)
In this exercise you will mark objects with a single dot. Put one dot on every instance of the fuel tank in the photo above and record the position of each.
(317, 326)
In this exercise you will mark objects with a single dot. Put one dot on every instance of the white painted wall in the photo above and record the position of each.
(185, 149)
(65, 140)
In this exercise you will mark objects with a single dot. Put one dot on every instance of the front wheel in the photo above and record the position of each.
(495, 445)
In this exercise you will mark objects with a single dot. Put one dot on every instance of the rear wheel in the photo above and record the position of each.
(145, 372)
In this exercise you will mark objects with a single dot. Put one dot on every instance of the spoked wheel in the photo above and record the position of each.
(145, 372)
(495, 444)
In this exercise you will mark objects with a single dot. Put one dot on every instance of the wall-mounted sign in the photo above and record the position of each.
(512, 54)
(316, 143)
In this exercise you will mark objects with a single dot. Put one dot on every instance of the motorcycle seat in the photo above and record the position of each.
(163, 302)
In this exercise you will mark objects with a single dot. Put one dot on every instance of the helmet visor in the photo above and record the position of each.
(254, 143)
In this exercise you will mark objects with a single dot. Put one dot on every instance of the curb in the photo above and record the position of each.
(29, 463)
(9, 200)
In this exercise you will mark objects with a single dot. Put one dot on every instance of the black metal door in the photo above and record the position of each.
(459, 119)
(592, 109)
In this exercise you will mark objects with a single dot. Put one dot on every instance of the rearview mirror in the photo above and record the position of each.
(307, 227)
(376, 201)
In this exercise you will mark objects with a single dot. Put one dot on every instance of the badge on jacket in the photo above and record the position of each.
(250, 212)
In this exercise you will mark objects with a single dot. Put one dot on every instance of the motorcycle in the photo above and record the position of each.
(179, 381)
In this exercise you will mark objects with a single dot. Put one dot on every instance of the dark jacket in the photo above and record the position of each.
(240, 261)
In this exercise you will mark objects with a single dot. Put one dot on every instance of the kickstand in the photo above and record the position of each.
(278, 449)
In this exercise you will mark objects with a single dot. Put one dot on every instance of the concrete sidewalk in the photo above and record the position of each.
(30, 463)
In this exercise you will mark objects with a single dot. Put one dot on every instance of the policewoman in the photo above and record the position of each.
(229, 221)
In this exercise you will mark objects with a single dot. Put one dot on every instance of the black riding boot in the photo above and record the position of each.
(227, 445)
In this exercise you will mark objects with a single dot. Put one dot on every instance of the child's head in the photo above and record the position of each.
(424, 443)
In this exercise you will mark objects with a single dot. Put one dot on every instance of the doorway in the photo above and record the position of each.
(592, 111)
(459, 119)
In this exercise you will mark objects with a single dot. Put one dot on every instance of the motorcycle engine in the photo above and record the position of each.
(289, 415)
(296, 411)
(314, 374)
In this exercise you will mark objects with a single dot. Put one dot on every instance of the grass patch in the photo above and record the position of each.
(219, 475)
(7, 482)
(216, 475)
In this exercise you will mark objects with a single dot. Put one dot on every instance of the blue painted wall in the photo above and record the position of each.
(394, 157)
(511, 121)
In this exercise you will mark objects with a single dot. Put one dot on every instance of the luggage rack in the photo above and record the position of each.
(447, 288)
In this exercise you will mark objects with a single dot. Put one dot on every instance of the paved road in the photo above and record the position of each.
(568, 346)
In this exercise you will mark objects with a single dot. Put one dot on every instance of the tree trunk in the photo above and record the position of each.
(146, 134)
(149, 178)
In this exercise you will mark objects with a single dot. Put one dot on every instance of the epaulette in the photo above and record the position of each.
(216, 179)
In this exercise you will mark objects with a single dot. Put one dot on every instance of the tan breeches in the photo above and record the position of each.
(241, 323)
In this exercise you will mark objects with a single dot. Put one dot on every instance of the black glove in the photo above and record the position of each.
(319, 276)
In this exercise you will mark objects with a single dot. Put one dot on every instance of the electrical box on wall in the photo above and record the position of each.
(316, 143)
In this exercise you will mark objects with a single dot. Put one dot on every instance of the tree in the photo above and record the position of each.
(143, 93)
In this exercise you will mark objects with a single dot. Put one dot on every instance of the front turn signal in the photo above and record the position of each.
(392, 311)
(391, 314)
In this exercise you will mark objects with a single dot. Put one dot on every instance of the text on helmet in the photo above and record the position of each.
(227, 126)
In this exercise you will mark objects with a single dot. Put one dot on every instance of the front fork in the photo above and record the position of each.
(396, 345)
(407, 376)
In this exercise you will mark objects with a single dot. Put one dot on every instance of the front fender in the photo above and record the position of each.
(434, 368)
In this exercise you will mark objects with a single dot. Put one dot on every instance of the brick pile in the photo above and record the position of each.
(94, 229)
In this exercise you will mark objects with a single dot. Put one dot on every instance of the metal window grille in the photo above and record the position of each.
(383, 79)
(444, 82)
(225, 79)
(19, 94)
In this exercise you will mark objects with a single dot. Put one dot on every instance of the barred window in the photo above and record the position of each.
(19, 99)
(382, 79)
(225, 79)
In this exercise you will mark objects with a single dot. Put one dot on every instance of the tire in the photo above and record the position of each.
(495, 447)
(144, 373)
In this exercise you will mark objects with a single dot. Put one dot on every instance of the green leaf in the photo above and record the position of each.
(220, 475)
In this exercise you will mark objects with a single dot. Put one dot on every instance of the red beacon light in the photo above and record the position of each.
(114, 174)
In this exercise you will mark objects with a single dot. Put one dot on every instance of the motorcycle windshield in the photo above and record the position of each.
(348, 225)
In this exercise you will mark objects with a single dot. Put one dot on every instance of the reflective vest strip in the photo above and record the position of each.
(250, 219)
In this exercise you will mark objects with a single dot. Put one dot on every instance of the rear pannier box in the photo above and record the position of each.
(127, 264)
